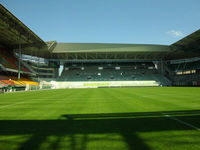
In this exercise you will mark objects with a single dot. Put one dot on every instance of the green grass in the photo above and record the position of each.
(101, 119)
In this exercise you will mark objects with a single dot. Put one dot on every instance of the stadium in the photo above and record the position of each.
(96, 95)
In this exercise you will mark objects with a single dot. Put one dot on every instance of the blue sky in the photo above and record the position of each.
(108, 21)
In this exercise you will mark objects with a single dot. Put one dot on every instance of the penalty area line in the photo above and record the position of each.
(182, 122)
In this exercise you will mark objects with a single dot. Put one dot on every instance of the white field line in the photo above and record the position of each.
(13, 104)
(68, 98)
(182, 122)
(1, 107)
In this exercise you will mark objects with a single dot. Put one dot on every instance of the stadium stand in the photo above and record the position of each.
(61, 65)
(139, 72)
(12, 80)
(9, 62)
(185, 66)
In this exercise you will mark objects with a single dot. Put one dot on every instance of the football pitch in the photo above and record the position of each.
(139, 118)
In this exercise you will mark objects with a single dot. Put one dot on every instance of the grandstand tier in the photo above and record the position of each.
(126, 71)
(10, 63)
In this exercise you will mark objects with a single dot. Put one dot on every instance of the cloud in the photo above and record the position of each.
(175, 33)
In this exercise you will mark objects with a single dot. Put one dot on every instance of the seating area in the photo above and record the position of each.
(112, 73)
(9, 69)
(5, 81)
(185, 66)
(189, 77)
(13, 81)
(10, 62)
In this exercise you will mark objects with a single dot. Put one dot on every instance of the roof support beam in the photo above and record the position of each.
(19, 57)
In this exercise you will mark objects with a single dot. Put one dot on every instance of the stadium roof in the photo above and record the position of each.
(12, 28)
(190, 41)
(187, 47)
(88, 51)
(107, 47)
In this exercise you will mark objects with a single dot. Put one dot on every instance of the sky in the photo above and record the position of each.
(108, 21)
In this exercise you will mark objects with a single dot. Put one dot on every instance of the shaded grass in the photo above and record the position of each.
(115, 118)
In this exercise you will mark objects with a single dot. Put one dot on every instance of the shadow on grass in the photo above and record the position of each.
(127, 125)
